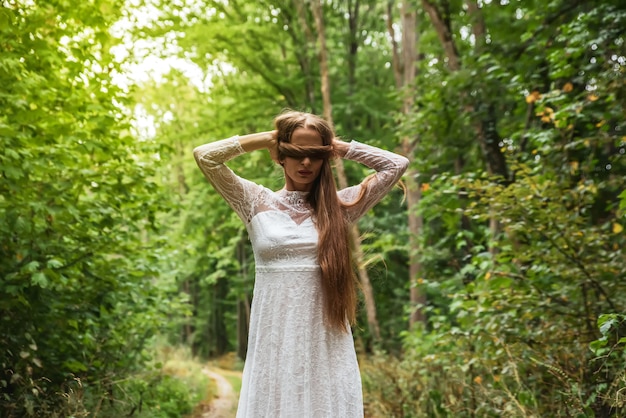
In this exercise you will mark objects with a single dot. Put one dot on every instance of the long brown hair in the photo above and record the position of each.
(339, 283)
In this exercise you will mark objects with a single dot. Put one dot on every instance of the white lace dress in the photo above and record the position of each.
(296, 366)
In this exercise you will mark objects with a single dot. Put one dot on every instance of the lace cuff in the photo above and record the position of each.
(216, 153)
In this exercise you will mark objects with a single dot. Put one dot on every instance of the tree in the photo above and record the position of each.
(404, 61)
(79, 296)
(509, 331)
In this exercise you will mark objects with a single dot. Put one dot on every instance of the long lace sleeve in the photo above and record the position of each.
(389, 168)
(237, 191)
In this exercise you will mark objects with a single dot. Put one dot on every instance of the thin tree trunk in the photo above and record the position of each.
(366, 287)
(243, 313)
(181, 155)
(305, 64)
(396, 62)
(444, 33)
(353, 48)
(486, 120)
(487, 130)
(186, 330)
(221, 334)
(485, 126)
(243, 306)
(405, 70)
(323, 55)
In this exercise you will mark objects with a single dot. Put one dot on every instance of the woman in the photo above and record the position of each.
(301, 360)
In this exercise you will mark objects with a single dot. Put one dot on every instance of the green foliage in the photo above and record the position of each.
(610, 352)
(159, 396)
(517, 271)
(79, 296)
(101, 227)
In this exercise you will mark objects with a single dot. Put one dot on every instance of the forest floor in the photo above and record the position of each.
(224, 403)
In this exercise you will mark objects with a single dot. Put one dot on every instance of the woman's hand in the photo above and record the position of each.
(340, 147)
(272, 145)
(260, 140)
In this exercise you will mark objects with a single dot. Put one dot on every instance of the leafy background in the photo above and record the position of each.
(499, 284)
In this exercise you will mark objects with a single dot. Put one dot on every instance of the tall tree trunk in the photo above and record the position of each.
(487, 129)
(305, 54)
(396, 61)
(485, 120)
(243, 306)
(487, 125)
(368, 294)
(444, 33)
(405, 70)
(353, 48)
(187, 329)
(219, 328)
(485, 117)
(243, 314)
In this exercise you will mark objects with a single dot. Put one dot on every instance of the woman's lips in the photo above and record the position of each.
(305, 173)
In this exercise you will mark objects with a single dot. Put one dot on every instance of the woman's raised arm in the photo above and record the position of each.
(389, 169)
(237, 191)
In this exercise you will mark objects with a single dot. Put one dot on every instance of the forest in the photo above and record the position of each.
(493, 282)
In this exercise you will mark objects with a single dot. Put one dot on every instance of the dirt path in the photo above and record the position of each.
(224, 405)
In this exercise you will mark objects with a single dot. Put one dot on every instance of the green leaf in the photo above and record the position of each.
(605, 326)
(54, 263)
(622, 203)
(39, 279)
(31, 267)
(499, 282)
(75, 366)
(597, 345)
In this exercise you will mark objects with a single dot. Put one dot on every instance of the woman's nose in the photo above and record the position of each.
(306, 161)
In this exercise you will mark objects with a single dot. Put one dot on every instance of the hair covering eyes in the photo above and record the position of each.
(321, 152)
